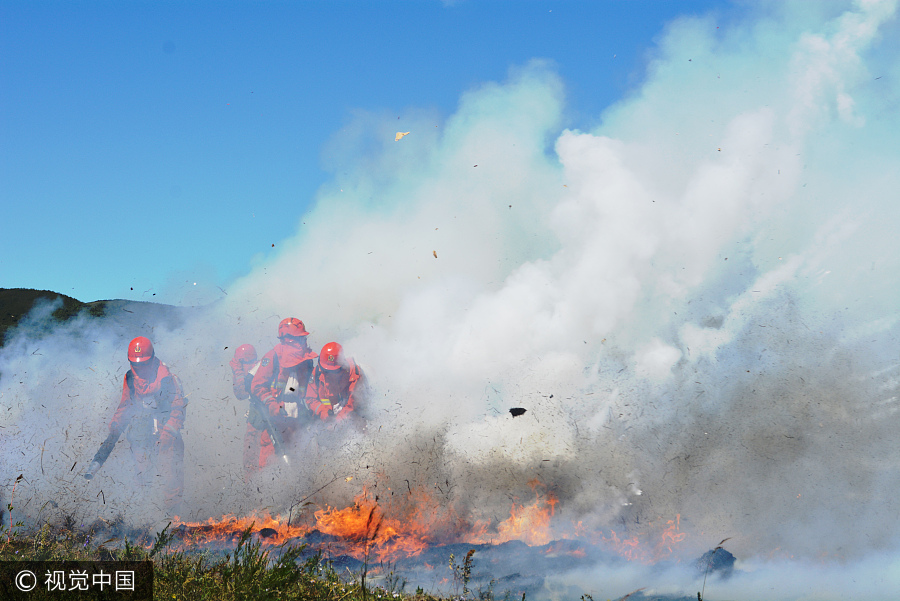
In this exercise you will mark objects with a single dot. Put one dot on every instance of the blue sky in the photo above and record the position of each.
(148, 146)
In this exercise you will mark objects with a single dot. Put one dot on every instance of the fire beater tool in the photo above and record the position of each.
(274, 434)
(102, 453)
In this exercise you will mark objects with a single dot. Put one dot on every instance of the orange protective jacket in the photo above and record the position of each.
(240, 379)
(283, 374)
(339, 388)
(160, 398)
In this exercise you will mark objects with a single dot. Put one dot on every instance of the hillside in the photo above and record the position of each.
(15, 303)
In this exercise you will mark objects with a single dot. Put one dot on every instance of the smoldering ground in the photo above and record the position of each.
(694, 302)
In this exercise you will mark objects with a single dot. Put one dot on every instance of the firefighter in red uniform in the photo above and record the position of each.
(257, 443)
(151, 413)
(337, 387)
(241, 365)
(281, 380)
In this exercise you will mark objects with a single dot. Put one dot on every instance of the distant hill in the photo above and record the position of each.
(15, 303)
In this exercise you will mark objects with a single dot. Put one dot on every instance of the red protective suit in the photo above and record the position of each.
(241, 364)
(240, 382)
(334, 394)
(258, 445)
(151, 413)
(279, 384)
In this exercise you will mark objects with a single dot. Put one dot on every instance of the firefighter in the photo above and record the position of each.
(257, 442)
(241, 370)
(337, 387)
(151, 414)
(280, 382)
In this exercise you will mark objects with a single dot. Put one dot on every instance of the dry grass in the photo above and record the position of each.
(248, 572)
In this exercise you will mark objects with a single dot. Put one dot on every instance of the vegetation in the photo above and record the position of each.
(247, 573)
(126, 317)
(15, 303)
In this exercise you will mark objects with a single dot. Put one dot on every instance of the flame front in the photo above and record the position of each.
(228, 528)
(633, 549)
(529, 524)
(366, 530)
(370, 531)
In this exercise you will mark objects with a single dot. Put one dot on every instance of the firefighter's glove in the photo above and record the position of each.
(291, 410)
(321, 408)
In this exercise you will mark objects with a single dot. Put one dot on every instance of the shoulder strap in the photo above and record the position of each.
(275, 368)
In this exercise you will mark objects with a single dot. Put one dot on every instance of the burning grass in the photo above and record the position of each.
(354, 553)
(248, 572)
(371, 531)
(349, 559)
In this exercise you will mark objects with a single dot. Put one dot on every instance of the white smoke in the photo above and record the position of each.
(696, 299)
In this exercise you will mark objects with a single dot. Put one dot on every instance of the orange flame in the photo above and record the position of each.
(529, 524)
(228, 528)
(367, 530)
(396, 530)
(633, 549)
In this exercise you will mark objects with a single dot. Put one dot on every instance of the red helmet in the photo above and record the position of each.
(140, 349)
(332, 356)
(245, 353)
(291, 326)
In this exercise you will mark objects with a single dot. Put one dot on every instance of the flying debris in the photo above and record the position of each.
(717, 561)
(399, 135)
(517, 411)
(434, 252)
(268, 532)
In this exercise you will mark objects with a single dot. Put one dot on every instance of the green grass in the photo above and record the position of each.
(249, 572)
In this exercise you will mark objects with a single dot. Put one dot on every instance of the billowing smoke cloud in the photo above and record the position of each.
(694, 301)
